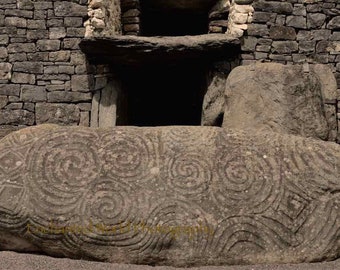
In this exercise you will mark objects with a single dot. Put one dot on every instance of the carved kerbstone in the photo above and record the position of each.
(170, 195)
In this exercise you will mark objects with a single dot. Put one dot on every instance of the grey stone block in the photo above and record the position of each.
(334, 23)
(82, 83)
(23, 78)
(29, 67)
(69, 9)
(9, 89)
(64, 96)
(285, 46)
(65, 114)
(31, 93)
(315, 20)
(48, 45)
(299, 22)
(16, 117)
(282, 33)
(272, 6)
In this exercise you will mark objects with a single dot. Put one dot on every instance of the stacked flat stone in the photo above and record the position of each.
(131, 17)
(241, 14)
(218, 17)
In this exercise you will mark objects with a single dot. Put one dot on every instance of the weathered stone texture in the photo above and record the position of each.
(16, 117)
(278, 98)
(299, 32)
(177, 196)
(131, 50)
(37, 41)
(69, 9)
(61, 113)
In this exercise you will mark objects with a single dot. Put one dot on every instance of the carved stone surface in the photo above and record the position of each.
(176, 196)
(280, 98)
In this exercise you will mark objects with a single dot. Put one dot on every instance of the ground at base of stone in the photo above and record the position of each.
(17, 261)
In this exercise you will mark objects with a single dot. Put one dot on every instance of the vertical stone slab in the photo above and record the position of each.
(95, 110)
(108, 105)
(213, 102)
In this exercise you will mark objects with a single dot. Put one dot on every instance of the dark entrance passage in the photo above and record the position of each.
(163, 95)
(173, 23)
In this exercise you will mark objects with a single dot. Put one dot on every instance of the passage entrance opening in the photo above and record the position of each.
(156, 20)
(163, 95)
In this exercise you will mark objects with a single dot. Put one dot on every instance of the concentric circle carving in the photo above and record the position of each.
(188, 173)
(128, 156)
(248, 180)
(60, 166)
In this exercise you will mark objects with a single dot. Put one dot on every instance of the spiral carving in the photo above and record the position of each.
(248, 180)
(188, 173)
(128, 156)
(60, 166)
(107, 211)
(138, 195)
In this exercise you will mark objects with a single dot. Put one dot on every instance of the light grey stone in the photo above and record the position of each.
(299, 22)
(5, 71)
(213, 102)
(3, 101)
(61, 113)
(16, 117)
(334, 23)
(275, 97)
(327, 80)
(30, 93)
(82, 83)
(24, 78)
(285, 47)
(315, 20)
(69, 9)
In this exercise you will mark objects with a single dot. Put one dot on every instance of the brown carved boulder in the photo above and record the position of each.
(177, 196)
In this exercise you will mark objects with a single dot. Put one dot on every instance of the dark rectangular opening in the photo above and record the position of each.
(173, 22)
(163, 95)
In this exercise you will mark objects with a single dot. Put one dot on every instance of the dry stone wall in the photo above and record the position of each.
(44, 77)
